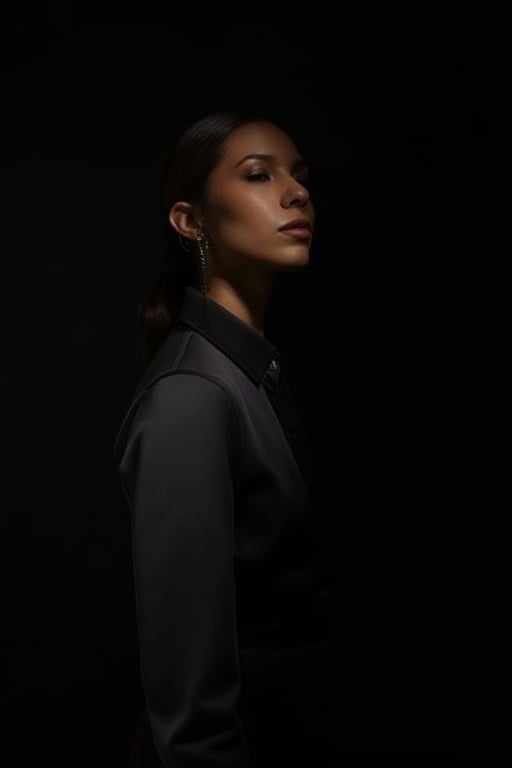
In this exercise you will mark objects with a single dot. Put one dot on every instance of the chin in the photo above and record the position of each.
(298, 262)
(294, 257)
(287, 261)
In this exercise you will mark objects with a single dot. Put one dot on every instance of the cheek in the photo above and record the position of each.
(260, 208)
(250, 211)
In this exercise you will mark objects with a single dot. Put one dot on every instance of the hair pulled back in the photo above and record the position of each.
(196, 154)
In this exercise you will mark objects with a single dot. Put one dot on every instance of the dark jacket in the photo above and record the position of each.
(231, 584)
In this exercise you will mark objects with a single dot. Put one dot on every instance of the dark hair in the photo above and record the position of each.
(196, 154)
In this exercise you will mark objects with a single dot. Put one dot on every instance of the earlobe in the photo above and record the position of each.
(182, 219)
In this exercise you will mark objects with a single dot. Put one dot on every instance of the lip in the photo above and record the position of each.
(299, 229)
(297, 225)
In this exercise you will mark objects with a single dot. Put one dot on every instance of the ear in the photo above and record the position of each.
(183, 220)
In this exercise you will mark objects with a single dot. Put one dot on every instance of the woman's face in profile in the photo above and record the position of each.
(259, 187)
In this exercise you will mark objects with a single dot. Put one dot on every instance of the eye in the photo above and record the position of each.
(258, 176)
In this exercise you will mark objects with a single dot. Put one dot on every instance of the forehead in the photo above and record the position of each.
(260, 138)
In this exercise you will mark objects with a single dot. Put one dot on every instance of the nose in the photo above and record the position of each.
(295, 194)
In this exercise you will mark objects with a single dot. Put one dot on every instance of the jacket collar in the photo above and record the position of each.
(250, 350)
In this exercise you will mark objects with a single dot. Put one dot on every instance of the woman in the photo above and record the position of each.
(231, 595)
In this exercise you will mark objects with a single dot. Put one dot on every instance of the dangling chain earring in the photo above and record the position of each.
(202, 242)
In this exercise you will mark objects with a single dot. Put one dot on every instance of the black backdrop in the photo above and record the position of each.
(387, 336)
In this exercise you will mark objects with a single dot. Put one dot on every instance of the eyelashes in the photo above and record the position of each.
(264, 176)
(258, 176)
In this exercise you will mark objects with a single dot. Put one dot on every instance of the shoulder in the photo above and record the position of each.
(177, 402)
(189, 378)
(185, 390)
(185, 351)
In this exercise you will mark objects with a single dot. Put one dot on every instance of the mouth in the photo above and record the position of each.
(301, 229)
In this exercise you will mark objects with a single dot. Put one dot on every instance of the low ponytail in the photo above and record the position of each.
(156, 314)
(160, 303)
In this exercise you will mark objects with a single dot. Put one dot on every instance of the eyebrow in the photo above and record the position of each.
(299, 163)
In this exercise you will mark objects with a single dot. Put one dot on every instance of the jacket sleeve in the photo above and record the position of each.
(177, 469)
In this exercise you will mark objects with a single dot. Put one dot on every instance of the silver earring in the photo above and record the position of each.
(202, 242)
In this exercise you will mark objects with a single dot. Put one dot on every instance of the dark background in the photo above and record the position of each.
(388, 337)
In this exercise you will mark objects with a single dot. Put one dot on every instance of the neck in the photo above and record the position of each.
(248, 302)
